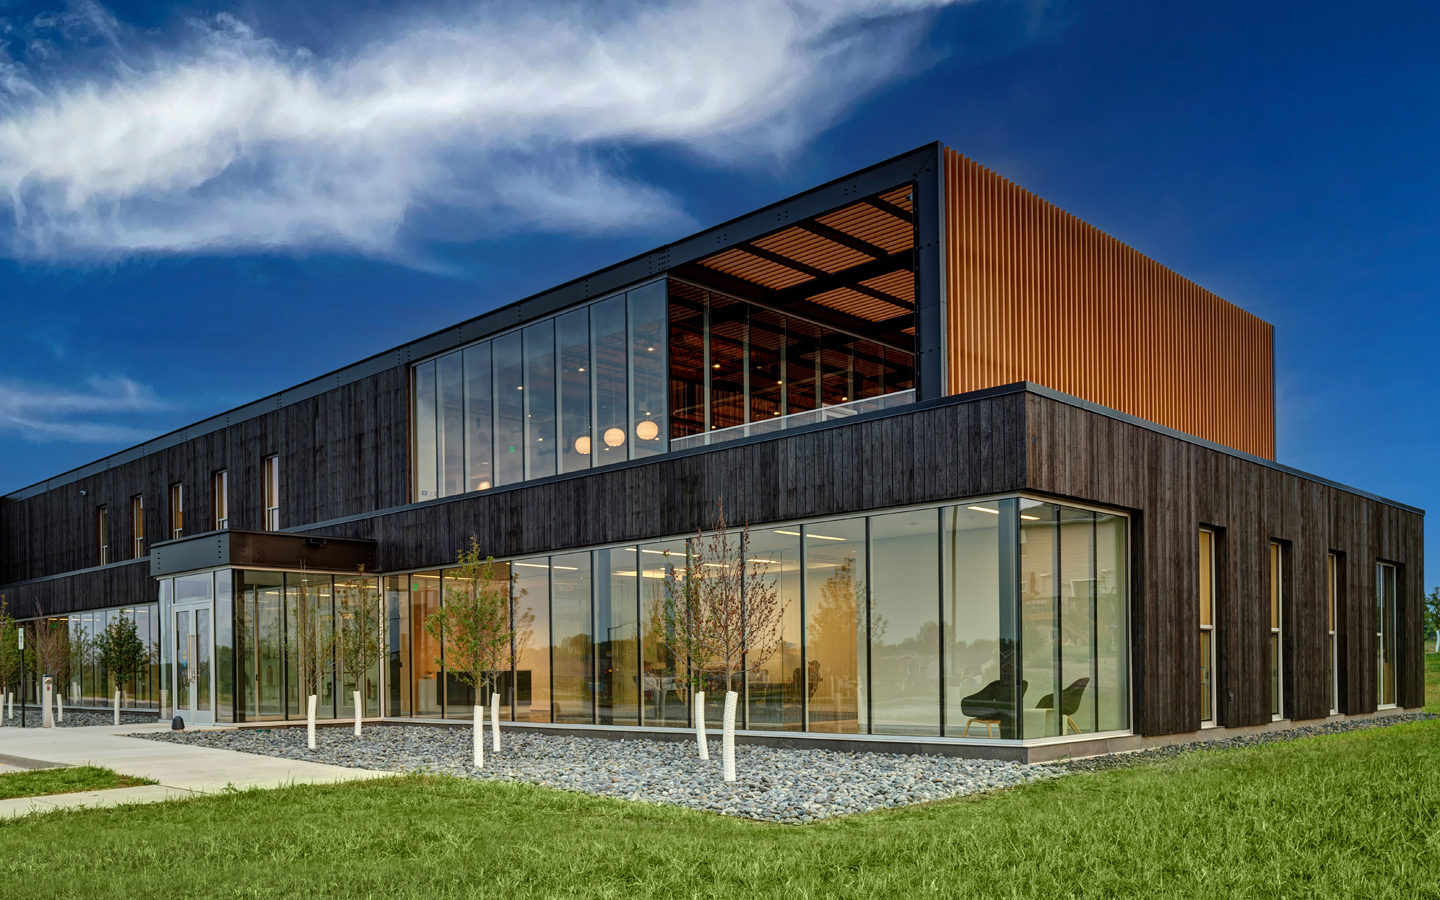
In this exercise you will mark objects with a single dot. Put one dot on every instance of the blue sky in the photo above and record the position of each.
(203, 203)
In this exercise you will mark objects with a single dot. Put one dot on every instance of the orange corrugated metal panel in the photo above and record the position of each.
(1038, 295)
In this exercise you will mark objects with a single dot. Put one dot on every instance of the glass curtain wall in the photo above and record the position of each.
(585, 388)
(732, 363)
(987, 620)
(87, 682)
(259, 684)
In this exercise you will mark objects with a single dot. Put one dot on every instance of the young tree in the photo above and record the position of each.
(1432, 615)
(121, 651)
(310, 646)
(9, 652)
(52, 656)
(738, 610)
(361, 633)
(477, 631)
(684, 627)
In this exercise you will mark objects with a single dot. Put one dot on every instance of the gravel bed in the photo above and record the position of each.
(1121, 760)
(76, 718)
(775, 785)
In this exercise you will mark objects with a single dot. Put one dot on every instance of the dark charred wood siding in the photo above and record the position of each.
(1176, 486)
(342, 453)
(120, 584)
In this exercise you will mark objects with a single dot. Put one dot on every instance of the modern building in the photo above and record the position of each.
(988, 455)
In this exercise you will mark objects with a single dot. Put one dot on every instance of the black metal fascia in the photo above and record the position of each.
(931, 370)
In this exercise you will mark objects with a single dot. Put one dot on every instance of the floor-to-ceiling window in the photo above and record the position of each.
(571, 645)
(775, 682)
(531, 612)
(1385, 634)
(587, 387)
(398, 664)
(666, 677)
(1074, 677)
(904, 651)
(616, 636)
(837, 633)
(979, 638)
(86, 681)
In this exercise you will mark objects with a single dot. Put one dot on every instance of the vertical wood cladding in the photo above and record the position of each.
(118, 585)
(1035, 294)
(341, 453)
(956, 450)
(1175, 487)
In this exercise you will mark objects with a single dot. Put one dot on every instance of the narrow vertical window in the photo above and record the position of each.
(1277, 686)
(272, 493)
(1331, 596)
(137, 526)
(1207, 627)
(102, 533)
(220, 500)
(177, 511)
(1385, 635)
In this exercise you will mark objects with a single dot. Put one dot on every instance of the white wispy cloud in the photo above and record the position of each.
(514, 115)
(78, 415)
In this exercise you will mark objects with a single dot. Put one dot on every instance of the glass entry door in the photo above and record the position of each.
(193, 688)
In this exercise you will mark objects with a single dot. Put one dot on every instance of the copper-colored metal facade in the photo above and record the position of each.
(1035, 294)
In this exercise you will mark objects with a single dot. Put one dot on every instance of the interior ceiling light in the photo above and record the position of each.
(582, 445)
(614, 437)
(993, 512)
(647, 430)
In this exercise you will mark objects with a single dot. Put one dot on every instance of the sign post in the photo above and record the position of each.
(20, 631)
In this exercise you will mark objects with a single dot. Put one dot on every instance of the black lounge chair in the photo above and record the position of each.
(1069, 701)
(992, 705)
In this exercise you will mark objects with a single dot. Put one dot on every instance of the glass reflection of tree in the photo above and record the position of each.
(836, 626)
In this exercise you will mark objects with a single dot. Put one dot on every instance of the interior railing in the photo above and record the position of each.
(794, 420)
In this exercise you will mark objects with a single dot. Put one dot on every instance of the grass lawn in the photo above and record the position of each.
(41, 782)
(1335, 816)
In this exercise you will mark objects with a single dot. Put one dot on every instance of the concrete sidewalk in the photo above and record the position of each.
(180, 769)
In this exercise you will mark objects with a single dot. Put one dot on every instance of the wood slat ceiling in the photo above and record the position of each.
(833, 243)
